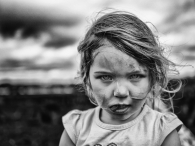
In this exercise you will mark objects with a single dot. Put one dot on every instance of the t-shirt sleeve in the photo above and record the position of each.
(71, 123)
(168, 123)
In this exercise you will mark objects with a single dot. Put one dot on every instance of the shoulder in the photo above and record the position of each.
(165, 119)
(77, 115)
(74, 120)
(164, 123)
(71, 116)
(168, 121)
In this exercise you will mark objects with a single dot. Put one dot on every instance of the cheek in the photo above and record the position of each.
(141, 91)
(98, 89)
(144, 91)
(138, 103)
(101, 94)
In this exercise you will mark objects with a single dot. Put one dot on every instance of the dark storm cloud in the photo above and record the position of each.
(32, 21)
(32, 13)
(57, 43)
(9, 29)
(10, 23)
(191, 48)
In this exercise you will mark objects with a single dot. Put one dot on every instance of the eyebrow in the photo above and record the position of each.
(132, 72)
(102, 72)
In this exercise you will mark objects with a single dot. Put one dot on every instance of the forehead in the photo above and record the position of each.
(108, 57)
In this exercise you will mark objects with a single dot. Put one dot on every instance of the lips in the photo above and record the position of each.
(118, 108)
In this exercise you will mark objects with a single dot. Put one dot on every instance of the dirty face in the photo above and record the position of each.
(119, 84)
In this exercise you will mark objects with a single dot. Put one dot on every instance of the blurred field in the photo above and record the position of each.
(35, 120)
(30, 115)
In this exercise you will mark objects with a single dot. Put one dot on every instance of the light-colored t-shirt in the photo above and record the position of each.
(149, 128)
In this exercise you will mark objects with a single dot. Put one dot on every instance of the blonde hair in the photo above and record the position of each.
(132, 36)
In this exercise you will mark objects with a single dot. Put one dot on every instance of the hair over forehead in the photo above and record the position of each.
(121, 25)
(130, 35)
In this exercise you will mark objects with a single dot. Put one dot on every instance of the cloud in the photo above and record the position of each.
(34, 18)
(32, 54)
(39, 38)
(38, 12)
(60, 36)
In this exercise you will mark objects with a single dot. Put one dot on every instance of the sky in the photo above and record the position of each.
(39, 39)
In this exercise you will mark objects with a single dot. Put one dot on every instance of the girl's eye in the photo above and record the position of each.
(106, 78)
(136, 76)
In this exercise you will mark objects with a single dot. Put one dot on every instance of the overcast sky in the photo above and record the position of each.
(38, 39)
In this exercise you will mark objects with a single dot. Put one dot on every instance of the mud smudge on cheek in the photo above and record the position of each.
(140, 94)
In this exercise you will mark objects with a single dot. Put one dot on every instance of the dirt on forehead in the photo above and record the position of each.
(113, 59)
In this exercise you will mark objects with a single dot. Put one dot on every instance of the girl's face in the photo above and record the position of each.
(119, 84)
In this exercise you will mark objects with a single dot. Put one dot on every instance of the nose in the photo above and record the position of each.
(121, 91)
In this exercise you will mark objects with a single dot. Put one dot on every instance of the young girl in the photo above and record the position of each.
(124, 73)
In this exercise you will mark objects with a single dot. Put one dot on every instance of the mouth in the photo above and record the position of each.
(119, 108)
